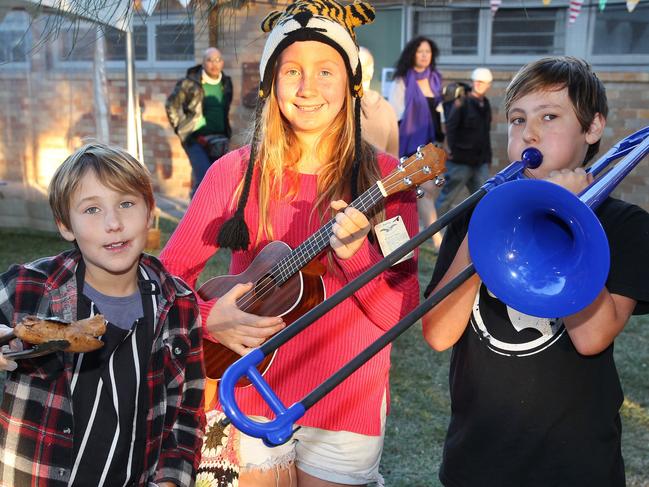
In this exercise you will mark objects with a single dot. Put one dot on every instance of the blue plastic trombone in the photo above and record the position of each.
(632, 149)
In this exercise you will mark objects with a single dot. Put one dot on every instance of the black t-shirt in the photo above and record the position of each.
(527, 409)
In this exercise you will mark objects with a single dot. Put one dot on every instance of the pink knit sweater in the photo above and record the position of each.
(320, 350)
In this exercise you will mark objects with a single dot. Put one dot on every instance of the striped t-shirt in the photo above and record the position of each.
(108, 389)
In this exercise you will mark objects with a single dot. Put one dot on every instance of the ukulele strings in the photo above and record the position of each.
(255, 295)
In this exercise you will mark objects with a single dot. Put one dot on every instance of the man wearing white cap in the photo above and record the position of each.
(467, 132)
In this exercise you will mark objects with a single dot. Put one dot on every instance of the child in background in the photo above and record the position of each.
(535, 402)
(131, 412)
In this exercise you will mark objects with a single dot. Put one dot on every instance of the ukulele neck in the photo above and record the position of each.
(316, 243)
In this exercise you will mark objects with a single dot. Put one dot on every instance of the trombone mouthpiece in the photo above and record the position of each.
(532, 157)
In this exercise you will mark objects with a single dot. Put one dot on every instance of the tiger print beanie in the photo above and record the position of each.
(325, 21)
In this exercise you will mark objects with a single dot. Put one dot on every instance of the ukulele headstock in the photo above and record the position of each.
(424, 165)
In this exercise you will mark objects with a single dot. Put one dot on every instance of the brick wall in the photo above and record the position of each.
(49, 114)
(628, 99)
(47, 111)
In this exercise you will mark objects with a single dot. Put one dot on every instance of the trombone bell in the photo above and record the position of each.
(539, 248)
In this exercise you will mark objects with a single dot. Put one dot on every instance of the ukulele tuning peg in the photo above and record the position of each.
(419, 193)
(439, 181)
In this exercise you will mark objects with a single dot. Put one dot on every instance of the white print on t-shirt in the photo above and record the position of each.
(550, 330)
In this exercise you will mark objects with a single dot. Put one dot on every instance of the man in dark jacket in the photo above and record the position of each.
(198, 110)
(469, 144)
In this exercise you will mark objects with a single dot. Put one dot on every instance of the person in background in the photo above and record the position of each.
(536, 401)
(469, 143)
(306, 160)
(198, 110)
(378, 120)
(415, 96)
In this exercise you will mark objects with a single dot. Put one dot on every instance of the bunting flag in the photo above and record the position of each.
(631, 5)
(495, 5)
(575, 8)
(602, 5)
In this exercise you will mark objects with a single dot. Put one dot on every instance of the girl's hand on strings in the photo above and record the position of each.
(350, 230)
(236, 329)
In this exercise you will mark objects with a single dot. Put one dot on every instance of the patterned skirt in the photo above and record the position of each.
(219, 465)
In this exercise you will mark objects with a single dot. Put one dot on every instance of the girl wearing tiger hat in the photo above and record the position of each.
(306, 159)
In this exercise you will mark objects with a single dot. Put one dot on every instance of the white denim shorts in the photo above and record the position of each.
(335, 456)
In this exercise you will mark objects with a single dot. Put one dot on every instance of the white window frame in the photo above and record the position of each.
(466, 59)
(612, 60)
(484, 55)
(150, 64)
(166, 19)
(21, 65)
(511, 59)
(574, 45)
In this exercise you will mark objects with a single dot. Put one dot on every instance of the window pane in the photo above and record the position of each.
(528, 31)
(175, 42)
(116, 43)
(13, 46)
(455, 31)
(14, 37)
(618, 31)
(77, 43)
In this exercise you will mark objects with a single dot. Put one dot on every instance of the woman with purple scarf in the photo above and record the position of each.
(416, 93)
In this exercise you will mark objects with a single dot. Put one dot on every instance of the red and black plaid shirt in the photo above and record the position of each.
(36, 419)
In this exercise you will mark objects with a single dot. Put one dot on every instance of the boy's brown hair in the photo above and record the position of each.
(113, 166)
(585, 90)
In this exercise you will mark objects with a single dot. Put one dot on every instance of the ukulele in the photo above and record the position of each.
(288, 282)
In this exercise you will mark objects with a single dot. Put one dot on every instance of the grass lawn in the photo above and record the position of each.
(420, 399)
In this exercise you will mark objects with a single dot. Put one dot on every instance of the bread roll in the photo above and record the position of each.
(81, 334)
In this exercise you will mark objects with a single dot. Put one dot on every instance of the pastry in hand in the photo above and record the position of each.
(81, 334)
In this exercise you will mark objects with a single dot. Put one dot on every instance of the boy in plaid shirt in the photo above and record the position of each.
(130, 413)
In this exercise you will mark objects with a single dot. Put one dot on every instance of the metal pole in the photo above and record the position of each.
(133, 125)
(100, 88)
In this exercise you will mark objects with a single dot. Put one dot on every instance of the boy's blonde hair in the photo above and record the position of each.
(586, 91)
(113, 166)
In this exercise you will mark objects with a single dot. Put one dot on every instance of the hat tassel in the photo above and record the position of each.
(234, 233)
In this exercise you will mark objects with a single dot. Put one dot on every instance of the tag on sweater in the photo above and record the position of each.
(391, 235)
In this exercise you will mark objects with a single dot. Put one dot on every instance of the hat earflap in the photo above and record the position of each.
(356, 166)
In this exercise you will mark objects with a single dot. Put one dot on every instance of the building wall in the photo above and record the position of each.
(47, 112)
(628, 99)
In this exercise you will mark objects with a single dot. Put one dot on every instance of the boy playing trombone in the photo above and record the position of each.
(536, 401)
